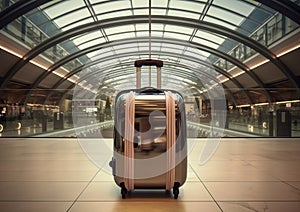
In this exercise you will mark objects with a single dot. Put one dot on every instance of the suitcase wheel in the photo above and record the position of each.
(176, 190)
(123, 190)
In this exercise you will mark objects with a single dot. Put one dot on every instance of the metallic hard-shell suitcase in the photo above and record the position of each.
(150, 148)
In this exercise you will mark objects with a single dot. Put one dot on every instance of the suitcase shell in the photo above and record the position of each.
(150, 145)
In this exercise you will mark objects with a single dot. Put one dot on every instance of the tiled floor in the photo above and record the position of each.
(48, 174)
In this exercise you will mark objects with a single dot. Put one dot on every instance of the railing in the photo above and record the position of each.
(276, 28)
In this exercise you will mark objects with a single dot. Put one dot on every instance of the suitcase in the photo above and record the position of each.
(150, 146)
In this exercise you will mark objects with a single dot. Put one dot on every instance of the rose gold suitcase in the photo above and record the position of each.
(150, 147)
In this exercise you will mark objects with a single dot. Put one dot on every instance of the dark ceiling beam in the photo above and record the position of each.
(286, 7)
(17, 10)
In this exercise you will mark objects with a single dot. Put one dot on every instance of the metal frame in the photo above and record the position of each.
(155, 19)
(18, 9)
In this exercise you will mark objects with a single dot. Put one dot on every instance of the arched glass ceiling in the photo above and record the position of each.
(222, 33)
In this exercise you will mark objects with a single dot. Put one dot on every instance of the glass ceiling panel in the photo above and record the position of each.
(183, 14)
(176, 36)
(72, 17)
(130, 45)
(157, 34)
(144, 33)
(158, 27)
(235, 5)
(225, 15)
(158, 11)
(144, 48)
(196, 53)
(77, 23)
(87, 37)
(48, 4)
(159, 3)
(219, 22)
(146, 26)
(114, 30)
(114, 14)
(121, 36)
(141, 11)
(179, 29)
(188, 5)
(168, 45)
(172, 50)
(91, 43)
(140, 3)
(212, 37)
(63, 7)
(126, 50)
(111, 6)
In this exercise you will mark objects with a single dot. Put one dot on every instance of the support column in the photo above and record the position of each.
(159, 77)
(138, 77)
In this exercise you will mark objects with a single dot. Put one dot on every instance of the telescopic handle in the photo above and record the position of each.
(148, 62)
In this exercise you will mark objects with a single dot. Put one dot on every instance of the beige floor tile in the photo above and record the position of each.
(252, 191)
(40, 191)
(283, 170)
(194, 191)
(104, 176)
(46, 165)
(191, 175)
(50, 175)
(295, 184)
(34, 206)
(174, 206)
(101, 191)
(230, 171)
(260, 206)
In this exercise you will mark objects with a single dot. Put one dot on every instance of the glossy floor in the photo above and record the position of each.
(48, 174)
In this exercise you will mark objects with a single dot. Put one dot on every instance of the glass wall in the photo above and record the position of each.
(262, 120)
(34, 119)
(42, 119)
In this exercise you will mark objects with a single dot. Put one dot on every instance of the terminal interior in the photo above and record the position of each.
(235, 63)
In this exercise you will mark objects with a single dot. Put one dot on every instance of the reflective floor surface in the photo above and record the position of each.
(244, 174)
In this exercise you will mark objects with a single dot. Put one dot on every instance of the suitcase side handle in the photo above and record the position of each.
(148, 62)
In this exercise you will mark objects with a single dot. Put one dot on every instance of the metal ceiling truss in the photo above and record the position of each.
(130, 70)
(195, 60)
(155, 19)
(154, 40)
(171, 76)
